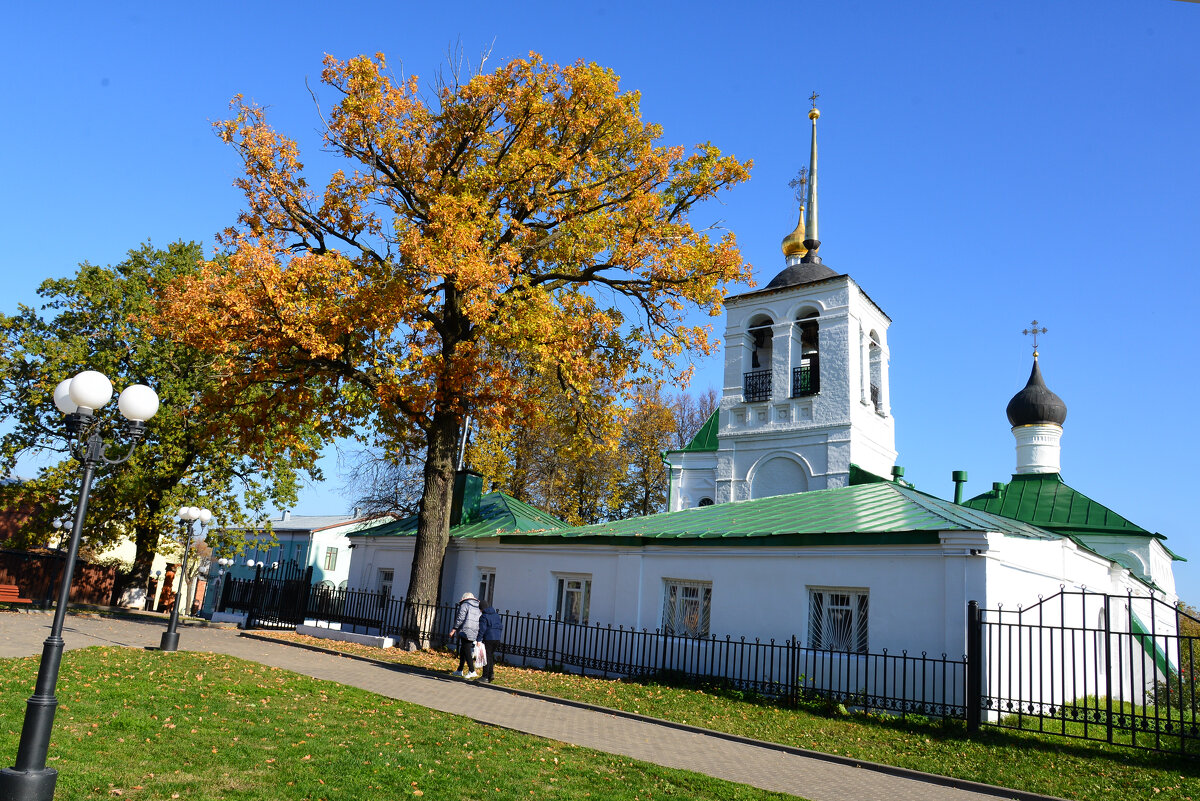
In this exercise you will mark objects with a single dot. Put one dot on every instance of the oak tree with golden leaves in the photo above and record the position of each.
(522, 225)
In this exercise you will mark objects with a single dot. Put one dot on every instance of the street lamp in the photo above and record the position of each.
(78, 398)
(188, 514)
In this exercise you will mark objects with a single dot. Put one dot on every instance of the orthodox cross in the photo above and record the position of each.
(798, 183)
(1034, 331)
(813, 99)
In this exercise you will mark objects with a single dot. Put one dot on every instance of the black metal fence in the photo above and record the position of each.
(1084, 665)
(1118, 669)
(785, 671)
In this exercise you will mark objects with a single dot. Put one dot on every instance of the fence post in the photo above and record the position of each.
(305, 593)
(974, 689)
(1108, 689)
(254, 596)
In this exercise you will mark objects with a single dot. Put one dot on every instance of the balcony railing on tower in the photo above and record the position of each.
(806, 380)
(756, 386)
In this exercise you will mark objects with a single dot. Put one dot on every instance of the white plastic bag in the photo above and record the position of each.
(480, 654)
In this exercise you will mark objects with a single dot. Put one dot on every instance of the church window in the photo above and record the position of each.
(757, 380)
(331, 555)
(487, 586)
(686, 607)
(876, 360)
(806, 375)
(573, 598)
(837, 620)
(705, 502)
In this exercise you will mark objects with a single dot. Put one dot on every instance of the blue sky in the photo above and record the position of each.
(982, 165)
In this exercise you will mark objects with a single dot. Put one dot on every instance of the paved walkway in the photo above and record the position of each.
(748, 762)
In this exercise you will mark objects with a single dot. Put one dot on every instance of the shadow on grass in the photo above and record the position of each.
(944, 730)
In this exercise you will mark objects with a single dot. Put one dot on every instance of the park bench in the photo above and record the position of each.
(11, 594)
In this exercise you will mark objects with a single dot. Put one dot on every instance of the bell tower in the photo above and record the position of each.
(805, 391)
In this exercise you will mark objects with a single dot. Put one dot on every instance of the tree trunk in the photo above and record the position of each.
(433, 528)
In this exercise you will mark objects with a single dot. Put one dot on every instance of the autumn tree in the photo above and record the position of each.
(522, 222)
(94, 320)
(648, 432)
(556, 460)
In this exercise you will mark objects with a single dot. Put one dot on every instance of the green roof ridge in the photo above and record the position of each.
(498, 511)
(867, 513)
(1046, 501)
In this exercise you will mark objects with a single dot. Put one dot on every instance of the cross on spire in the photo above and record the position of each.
(798, 183)
(1034, 331)
(813, 99)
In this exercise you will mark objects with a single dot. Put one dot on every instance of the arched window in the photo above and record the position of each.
(757, 380)
(705, 502)
(876, 360)
(806, 366)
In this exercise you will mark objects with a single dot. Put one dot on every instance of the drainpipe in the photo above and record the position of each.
(959, 477)
(663, 456)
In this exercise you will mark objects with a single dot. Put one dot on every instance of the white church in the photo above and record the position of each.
(786, 517)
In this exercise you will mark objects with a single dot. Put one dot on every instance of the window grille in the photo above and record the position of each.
(574, 597)
(386, 576)
(837, 620)
(686, 607)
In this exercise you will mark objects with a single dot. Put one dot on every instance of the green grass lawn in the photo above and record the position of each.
(146, 725)
(1067, 768)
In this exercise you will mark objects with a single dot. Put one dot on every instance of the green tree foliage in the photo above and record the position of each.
(525, 222)
(94, 320)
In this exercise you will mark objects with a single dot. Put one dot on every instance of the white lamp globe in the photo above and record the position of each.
(138, 403)
(62, 398)
(91, 390)
(205, 516)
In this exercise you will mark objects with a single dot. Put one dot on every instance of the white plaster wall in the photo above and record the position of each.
(758, 592)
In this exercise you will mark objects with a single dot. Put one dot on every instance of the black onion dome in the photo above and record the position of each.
(800, 273)
(1036, 403)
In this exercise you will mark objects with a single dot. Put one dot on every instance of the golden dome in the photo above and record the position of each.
(814, 114)
(793, 243)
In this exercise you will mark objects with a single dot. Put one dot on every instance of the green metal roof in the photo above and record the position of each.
(706, 438)
(866, 514)
(498, 513)
(1044, 500)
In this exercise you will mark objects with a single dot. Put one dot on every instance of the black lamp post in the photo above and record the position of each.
(77, 398)
(189, 514)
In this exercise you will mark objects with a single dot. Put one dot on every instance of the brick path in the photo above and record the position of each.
(745, 761)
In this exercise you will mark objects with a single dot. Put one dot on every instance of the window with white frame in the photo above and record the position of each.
(487, 586)
(331, 558)
(837, 619)
(686, 607)
(573, 597)
(383, 581)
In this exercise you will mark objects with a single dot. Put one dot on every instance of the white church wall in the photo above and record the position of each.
(758, 592)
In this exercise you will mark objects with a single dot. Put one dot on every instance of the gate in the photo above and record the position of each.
(1113, 668)
(274, 598)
